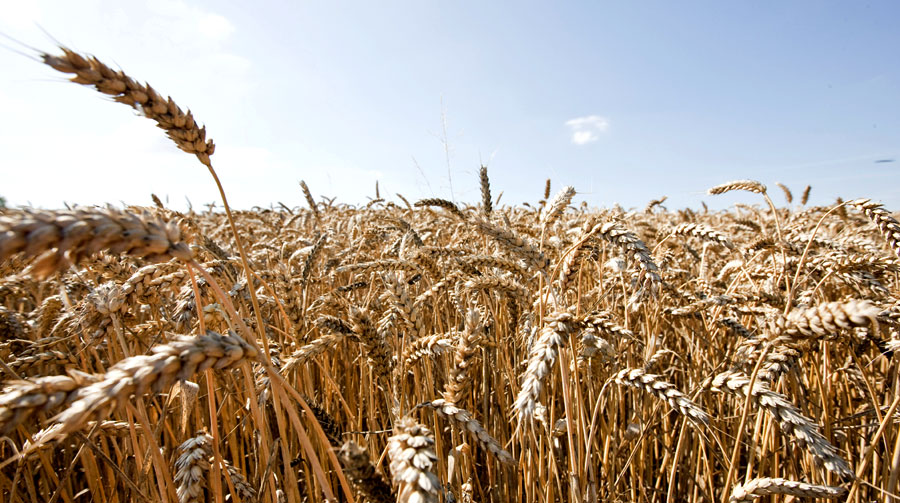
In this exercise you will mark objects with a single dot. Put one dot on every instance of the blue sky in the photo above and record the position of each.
(626, 101)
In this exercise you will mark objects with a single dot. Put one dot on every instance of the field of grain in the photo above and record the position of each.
(426, 351)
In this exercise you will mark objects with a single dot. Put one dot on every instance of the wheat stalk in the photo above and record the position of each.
(474, 284)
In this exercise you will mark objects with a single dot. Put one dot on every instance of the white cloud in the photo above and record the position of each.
(215, 26)
(176, 19)
(583, 137)
(587, 129)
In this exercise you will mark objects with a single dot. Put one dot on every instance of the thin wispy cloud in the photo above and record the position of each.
(587, 129)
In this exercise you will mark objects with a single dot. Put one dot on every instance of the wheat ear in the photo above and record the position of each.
(362, 475)
(178, 125)
(429, 346)
(558, 205)
(21, 399)
(311, 258)
(788, 196)
(665, 391)
(789, 417)
(60, 238)
(495, 283)
(748, 185)
(24, 363)
(311, 350)
(464, 419)
(413, 461)
(242, 486)
(511, 241)
(483, 261)
(309, 198)
(654, 203)
(830, 318)
(485, 182)
(464, 358)
(338, 329)
(804, 198)
(181, 358)
(442, 203)
(554, 335)
(618, 235)
(191, 468)
(756, 488)
(703, 232)
(374, 344)
(887, 224)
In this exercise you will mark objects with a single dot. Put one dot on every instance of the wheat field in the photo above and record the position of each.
(432, 351)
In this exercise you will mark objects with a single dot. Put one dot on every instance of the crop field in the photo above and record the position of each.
(437, 351)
